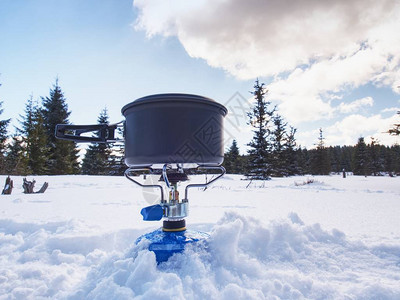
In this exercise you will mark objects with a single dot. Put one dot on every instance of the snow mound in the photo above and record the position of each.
(245, 259)
(49, 260)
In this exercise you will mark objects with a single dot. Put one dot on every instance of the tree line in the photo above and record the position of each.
(360, 159)
(273, 150)
(34, 150)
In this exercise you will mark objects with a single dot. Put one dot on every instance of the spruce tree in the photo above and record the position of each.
(291, 158)
(376, 159)
(63, 155)
(3, 138)
(260, 147)
(279, 161)
(232, 159)
(391, 157)
(302, 161)
(320, 162)
(361, 165)
(346, 157)
(395, 130)
(98, 156)
(117, 160)
(16, 159)
(334, 155)
(395, 163)
(34, 137)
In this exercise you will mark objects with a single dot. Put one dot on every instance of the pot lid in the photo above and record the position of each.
(173, 98)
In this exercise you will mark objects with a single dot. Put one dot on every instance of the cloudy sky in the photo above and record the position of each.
(333, 65)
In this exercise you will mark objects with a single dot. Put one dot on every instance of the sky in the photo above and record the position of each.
(333, 65)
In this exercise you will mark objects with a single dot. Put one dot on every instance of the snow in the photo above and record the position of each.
(334, 238)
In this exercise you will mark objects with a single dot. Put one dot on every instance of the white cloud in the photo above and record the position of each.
(355, 105)
(390, 109)
(308, 90)
(348, 130)
(337, 44)
(261, 38)
(314, 50)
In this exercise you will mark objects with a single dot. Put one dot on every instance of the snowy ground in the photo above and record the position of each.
(333, 239)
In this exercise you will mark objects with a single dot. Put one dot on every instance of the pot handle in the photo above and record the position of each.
(106, 132)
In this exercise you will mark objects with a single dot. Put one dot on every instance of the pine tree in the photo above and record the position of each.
(98, 156)
(334, 155)
(16, 159)
(395, 163)
(291, 158)
(320, 162)
(34, 138)
(260, 147)
(117, 160)
(232, 159)
(303, 161)
(346, 154)
(376, 160)
(279, 143)
(361, 164)
(3, 138)
(391, 157)
(63, 155)
(396, 128)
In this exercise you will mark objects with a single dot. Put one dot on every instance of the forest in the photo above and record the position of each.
(273, 152)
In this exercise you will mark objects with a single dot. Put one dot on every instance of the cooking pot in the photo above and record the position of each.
(163, 129)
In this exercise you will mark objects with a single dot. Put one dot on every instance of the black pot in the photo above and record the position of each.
(164, 128)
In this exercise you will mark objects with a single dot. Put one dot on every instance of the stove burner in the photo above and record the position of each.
(173, 236)
(174, 226)
(175, 177)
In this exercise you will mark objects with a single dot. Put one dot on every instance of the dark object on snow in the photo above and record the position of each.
(43, 188)
(8, 186)
(344, 173)
(29, 185)
(163, 128)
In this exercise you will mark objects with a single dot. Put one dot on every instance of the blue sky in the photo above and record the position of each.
(341, 75)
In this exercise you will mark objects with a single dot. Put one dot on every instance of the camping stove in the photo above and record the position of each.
(173, 236)
(164, 134)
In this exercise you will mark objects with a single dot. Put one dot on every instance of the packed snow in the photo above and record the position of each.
(332, 238)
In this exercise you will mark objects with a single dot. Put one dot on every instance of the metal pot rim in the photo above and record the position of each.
(173, 98)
